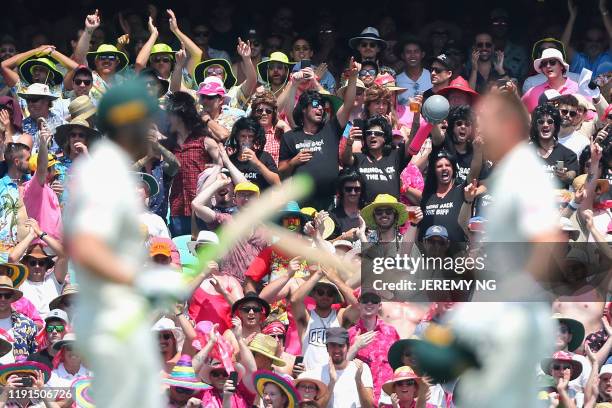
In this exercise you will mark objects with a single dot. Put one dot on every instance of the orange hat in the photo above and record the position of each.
(160, 248)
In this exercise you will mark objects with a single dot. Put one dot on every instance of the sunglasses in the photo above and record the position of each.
(325, 292)
(561, 366)
(107, 57)
(500, 23)
(368, 44)
(547, 121)
(384, 211)
(182, 390)
(484, 45)
(407, 353)
(460, 123)
(219, 373)
(348, 189)
(571, 113)
(55, 327)
(157, 60)
(34, 99)
(379, 133)
(276, 65)
(369, 299)
(255, 309)
(261, 111)
(549, 62)
(278, 336)
(37, 262)
(6, 295)
(406, 382)
(165, 336)
(215, 72)
(366, 72)
(316, 104)
(438, 70)
(85, 82)
(209, 97)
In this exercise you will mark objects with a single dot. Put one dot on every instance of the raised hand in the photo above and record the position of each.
(237, 327)
(123, 41)
(294, 266)
(5, 119)
(152, 29)
(92, 21)
(244, 48)
(172, 21)
(354, 68)
(498, 63)
(81, 148)
(365, 339)
(596, 153)
(359, 372)
(572, 8)
(475, 58)
(471, 191)
(181, 57)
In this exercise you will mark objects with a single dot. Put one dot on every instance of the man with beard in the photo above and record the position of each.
(443, 70)
(312, 148)
(349, 383)
(596, 41)
(568, 136)
(483, 67)
(415, 78)
(604, 386)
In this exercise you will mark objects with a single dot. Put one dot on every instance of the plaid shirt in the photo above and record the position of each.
(193, 158)
(24, 332)
(272, 144)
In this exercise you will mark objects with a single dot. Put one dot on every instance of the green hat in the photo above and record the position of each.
(161, 48)
(394, 355)
(576, 329)
(25, 70)
(335, 101)
(125, 104)
(262, 67)
(106, 49)
(150, 181)
(199, 73)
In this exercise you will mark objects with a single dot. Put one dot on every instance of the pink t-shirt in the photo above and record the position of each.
(531, 97)
(42, 204)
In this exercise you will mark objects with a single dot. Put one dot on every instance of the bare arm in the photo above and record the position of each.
(236, 175)
(250, 84)
(437, 137)
(286, 100)
(143, 55)
(8, 66)
(278, 288)
(217, 131)
(176, 77)
(64, 60)
(92, 22)
(347, 159)
(297, 298)
(199, 205)
(569, 28)
(195, 53)
(474, 72)
(349, 95)
(366, 394)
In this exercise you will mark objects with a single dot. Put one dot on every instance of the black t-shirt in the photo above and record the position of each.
(444, 212)
(323, 167)
(342, 220)
(560, 153)
(464, 160)
(382, 176)
(251, 172)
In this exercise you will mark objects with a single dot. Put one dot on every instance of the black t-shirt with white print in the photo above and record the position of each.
(443, 211)
(560, 153)
(251, 172)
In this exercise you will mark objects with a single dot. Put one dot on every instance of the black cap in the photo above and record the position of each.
(337, 335)
(447, 60)
(251, 297)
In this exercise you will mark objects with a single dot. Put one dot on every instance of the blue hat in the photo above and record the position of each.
(292, 209)
(436, 231)
(603, 68)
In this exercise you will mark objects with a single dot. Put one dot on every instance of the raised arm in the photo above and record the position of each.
(43, 159)
(67, 62)
(286, 100)
(236, 175)
(275, 290)
(297, 298)
(250, 84)
(349, 96)
(199, 205)
(145, 52)
(8, 66)
(347, 157)
(195, 53)
(176, 77)
(569, 28)
(92, 22)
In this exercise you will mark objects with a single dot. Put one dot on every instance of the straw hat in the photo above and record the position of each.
(384, 200)
(81, 107)
(62, 132)
(400, 374)
(266, 346)
(325, 282)
(68, 339)
(580, 181)
(329, 224)
(340, 91)
(7, 283)
(68, 290)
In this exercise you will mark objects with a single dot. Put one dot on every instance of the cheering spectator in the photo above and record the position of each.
(415, 78)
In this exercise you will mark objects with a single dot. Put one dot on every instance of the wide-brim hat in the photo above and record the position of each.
(536, 47)
(384, 200)
(328, 225)
(325, 282)
(262, 67)
(106, 49)
(563, 357)
(575, 327)
(151, 183)
(164, 84)
(336, 101)
(305, 377)
(550, 53)
(68, 290)
(458, 84)
(199, 73)
(62, 132)
(6, 283)
(68, 339)
(387, 81)
(394, 355)
(184, 376)
(399, 374)
(340, 91)
(82, 392)
(368, 33)
(6, 346)
(262, 377)
(292, 209)
(165, 324)
(37, 90)
(82, 107)
(580, 181)
(18, 273)
(25, 70)
(161, 48)
(204, 237)
(24, 367)
(266, 346)
(251, 297)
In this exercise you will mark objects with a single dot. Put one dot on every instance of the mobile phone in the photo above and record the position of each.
(298, 360)
(233, 376)
(359, 123)
(560, 164)
(26, 381)
(306, 63)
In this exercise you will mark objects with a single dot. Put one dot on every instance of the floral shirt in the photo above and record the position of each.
(30, 126)
(10, 204)
(24, 333)
(375, 354)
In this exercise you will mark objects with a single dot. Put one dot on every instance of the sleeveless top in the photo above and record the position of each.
(313, 343)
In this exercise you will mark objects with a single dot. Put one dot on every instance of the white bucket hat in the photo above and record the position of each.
(204, 237)
(550, 53)
(37, 90)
